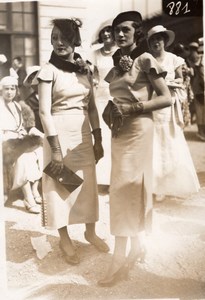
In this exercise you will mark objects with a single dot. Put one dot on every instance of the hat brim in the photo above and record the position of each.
(170, 34)
(95, 39)
(34, 80)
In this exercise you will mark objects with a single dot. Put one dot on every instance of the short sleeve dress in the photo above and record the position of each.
(70, 98)
(131, 171)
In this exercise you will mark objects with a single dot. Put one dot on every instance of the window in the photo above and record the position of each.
(18, 23)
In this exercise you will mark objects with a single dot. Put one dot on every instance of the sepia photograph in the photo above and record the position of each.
(102, 150)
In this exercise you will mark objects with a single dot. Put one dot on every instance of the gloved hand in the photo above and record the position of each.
(56, 154)
(97, 147)
(130, 109)
(117, 120)
(113, 118)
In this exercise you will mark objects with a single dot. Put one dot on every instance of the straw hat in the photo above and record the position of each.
(161, 29)
(9, 80)
(31, 70)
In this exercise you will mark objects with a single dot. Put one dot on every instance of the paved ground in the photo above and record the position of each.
(175, 265)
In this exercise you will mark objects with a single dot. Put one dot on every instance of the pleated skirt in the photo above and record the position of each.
(131, 177)
(61, 208)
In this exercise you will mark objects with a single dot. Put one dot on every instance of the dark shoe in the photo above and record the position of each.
(70, 259)
(121, 274)
(98, 243)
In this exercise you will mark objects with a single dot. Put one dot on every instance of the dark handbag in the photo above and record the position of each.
(66, 178)
(107, 114)
(113, 118)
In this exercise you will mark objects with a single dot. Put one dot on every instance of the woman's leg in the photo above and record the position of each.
(29, 201)
(66, 246)
(35, 191)
(118, 268)
(137, 250)
(92, 238)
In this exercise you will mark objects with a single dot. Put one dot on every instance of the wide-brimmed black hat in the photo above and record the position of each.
(131, 15)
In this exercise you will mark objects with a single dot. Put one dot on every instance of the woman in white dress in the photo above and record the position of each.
(68, 114)
(174, 171)
(132, 82)
(27, 163)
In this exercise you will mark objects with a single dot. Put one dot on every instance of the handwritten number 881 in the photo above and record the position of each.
(178, 8)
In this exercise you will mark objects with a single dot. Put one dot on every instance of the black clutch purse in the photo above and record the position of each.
(67, 178)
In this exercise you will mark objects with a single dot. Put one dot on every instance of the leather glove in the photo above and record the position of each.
(132, 108)
(117, 120)
(56, 154)
(97, 147)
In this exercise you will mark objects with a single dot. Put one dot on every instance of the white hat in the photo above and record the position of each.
(3, 59)
(194, 45)
(30, 71)
(9, 80)
(159, 29)
(106, 23)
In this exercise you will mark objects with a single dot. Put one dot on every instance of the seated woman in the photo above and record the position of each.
(21, 148)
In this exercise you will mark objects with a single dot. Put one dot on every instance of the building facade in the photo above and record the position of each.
(25, 27)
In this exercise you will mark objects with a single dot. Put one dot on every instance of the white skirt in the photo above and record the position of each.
(61, 208)
(174, 173)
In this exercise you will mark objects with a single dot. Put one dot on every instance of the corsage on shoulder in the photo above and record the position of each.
(125, 63)
(82, 65)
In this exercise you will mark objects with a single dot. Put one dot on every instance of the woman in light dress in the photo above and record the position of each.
(69, 117)
(174, 171)
(131, 82)
(27, 168)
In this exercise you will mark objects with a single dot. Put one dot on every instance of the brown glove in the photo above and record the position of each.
(97, 147)
(132, 108)
(56, 154)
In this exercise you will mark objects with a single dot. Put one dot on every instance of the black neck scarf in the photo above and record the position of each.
(64, 65)
(143, 47)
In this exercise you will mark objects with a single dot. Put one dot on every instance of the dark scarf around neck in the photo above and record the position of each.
(143, 47)
(64, 65)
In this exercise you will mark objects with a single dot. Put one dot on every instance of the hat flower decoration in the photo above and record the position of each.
(125, 63)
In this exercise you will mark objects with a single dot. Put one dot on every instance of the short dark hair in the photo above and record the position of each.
(69, 29)
(19, 58)
(139, 33)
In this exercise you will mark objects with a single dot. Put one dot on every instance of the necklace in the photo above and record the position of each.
(107, 51)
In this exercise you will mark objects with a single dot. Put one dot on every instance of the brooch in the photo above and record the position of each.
(125, 63)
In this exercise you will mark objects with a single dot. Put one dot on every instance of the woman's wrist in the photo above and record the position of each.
(54, 143)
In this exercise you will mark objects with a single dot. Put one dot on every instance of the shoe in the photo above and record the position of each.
(33, 209)
(70, 259)
(98, 243)
(201, 136)
(121, 274)
(38, 199)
